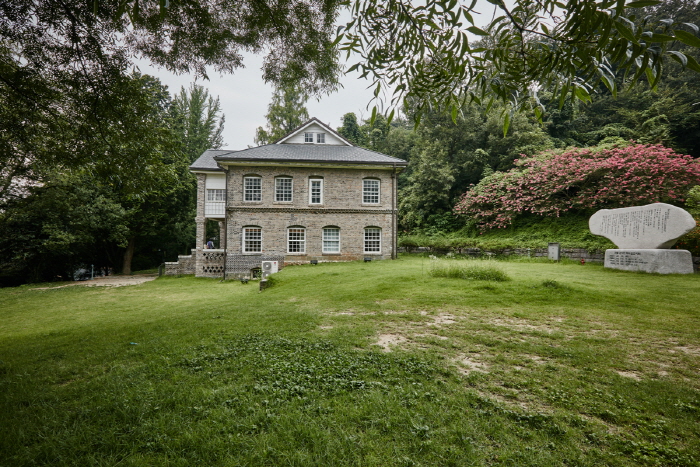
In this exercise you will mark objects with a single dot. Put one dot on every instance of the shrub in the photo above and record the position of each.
(580, 180)
(467, 270)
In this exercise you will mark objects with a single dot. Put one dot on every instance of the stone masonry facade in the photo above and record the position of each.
(342, 208)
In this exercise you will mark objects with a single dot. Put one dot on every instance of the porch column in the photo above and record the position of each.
(222, 234)
(201, 232)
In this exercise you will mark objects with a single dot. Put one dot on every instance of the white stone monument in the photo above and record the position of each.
(644, 235)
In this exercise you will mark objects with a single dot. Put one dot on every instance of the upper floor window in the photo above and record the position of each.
(373, 240)
(252, 240)
(370, 191)
(283, 189)
(331, 240)
(296, 240)
(216, 195)
(320, 137)
(315, 191)
(252, 189)
(215, 203)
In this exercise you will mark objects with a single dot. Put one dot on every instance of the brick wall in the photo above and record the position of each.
(342, 207)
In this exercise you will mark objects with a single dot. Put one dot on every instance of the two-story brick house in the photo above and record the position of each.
(310, 196)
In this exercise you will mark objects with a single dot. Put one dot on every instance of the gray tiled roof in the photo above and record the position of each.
(307, 153)
(206, 160)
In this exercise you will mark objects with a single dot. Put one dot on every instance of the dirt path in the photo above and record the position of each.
(113, 281)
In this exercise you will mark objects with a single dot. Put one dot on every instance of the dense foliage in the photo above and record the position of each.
(426, 51)
(105, 213)
(581, 180)
(285, 113)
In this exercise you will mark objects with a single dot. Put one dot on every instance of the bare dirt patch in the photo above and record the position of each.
(469, 363)
(387, 341)
(521, 325)
(110, 281)
(629, 374)
(442, 319)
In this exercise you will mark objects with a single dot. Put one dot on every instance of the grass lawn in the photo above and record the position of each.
(357, 364)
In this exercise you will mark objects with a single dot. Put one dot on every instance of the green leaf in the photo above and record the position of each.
(454, 114)
(679, 57)
(625, 32)
(693, 64)
(506, 124)
(662, 38)
(582, 94)
(688, 38)
(374, 115)
(477, 31)
(692, 26)
(391, 117)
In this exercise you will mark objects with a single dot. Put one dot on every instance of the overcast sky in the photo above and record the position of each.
(244, 96)
(244, 99)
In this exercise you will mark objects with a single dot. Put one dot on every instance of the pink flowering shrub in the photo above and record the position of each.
(580, 180)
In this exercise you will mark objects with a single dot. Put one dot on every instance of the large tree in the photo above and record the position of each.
(440, 52)
(198, 120)
(62, 63)
(286, 112)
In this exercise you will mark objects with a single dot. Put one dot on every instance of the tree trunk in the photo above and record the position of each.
(128, 256)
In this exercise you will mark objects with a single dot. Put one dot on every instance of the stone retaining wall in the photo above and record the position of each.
(185, 264)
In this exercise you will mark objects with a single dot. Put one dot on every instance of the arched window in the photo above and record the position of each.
(283, 189)
(296, 240)
(331, 239)
(251, 239)
(371, 191)
(373, 240)
(252, 188)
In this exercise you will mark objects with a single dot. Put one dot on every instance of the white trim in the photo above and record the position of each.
(280, 191)
(364, 240)
(323, 240)
(322, 125)
(245, 194)
(379, 191)
(315, 179)
(244, 231)
(300, 240)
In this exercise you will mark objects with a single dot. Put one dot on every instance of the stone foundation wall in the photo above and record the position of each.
(185, 264)
(242, 266)
(570, 253)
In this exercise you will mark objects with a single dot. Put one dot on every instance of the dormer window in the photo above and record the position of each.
(320, 138)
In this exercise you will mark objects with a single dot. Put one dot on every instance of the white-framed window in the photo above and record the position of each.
(216, 195)
(373, 240)
(215, 203)
(320, 138)
(296, 240)
(283, 189)
(252, 189)
(315, 191)
(370, 191)
(252, 240)
(331, 240)
(308, 137)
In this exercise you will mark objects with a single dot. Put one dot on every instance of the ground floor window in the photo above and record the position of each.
(331, 240)
(252, 240)
(296, 240)
(373, 240)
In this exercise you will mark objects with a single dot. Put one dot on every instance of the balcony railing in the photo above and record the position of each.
(214, 208)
